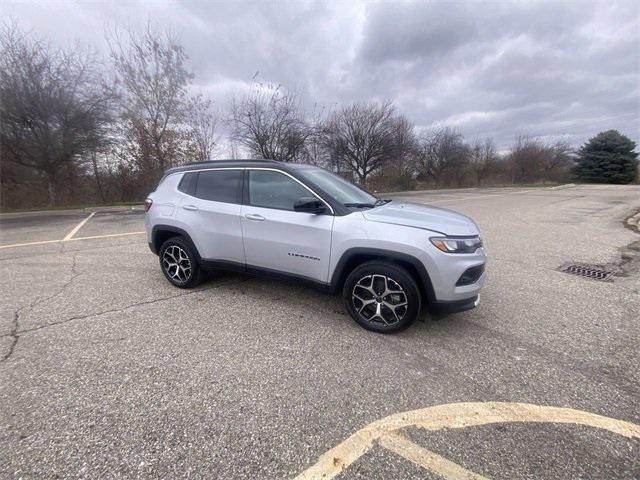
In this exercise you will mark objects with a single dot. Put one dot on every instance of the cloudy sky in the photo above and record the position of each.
(558, 70)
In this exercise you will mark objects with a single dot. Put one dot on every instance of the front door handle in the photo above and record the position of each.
(254, 216)
(190, 207)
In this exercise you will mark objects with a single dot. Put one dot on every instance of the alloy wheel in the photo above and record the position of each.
(176, 263)
(379, 300)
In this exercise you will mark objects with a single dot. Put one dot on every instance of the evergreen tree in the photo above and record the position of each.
(609, 157)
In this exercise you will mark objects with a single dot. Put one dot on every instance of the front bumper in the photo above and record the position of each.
(448, 307)
(447, 274)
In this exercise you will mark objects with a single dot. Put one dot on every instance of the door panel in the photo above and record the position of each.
(211, 208)
(215, 228)
(292, 242)
(277, 237)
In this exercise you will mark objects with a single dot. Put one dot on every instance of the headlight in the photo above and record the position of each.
(457, 245)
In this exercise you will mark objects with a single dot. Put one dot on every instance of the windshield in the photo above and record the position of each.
(343, 191)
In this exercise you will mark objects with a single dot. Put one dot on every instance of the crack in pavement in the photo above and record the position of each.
(17, 332)
(13, 334)
(62, 250)
(15, 326)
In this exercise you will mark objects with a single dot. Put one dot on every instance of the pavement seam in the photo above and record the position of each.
(133, 305)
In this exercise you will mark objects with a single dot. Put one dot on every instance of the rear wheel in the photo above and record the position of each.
(382, 296)
(179, 263)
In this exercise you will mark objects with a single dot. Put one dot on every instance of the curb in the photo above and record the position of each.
(562, 187)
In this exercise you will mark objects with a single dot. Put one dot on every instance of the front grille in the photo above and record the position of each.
(589, 271)
(470, 275)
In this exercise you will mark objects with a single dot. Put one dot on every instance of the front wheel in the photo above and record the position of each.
(382, 297)
(179, 264)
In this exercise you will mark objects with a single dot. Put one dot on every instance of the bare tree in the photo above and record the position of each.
(404, 146)
(360, 137)
(152, 80)
(559, 157)
(524, 159)
(54, 110)
(533, 159)
(482, 159)
(442, 152)
(203, 123)
(97, 175)
(315, 151)
(270, 124)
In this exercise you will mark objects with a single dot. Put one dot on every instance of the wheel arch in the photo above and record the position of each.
(353, 257)
(162, 233)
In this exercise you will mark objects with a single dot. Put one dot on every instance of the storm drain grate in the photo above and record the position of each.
(589, 271)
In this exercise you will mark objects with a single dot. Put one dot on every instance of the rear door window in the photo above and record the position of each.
(220, 186)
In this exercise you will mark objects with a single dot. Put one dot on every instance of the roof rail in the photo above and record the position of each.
(217, 162)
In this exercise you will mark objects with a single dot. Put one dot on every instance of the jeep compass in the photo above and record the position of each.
(389, 258)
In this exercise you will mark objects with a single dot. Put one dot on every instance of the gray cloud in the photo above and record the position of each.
(552, 69)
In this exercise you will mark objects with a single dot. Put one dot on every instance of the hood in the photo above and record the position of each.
(422, 216)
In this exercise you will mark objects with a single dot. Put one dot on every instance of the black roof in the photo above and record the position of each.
(231, 163)
(291, 168)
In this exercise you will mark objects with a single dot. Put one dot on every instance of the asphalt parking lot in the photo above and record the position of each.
(107, 371)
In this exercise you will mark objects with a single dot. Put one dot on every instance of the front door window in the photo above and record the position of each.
(269, 189)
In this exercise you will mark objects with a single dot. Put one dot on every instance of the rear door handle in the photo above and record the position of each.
(190, 207)
(254, 217)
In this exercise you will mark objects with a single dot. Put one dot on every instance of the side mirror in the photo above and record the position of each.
(309, 205)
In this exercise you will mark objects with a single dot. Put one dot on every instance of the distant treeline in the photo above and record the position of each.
(77, 129)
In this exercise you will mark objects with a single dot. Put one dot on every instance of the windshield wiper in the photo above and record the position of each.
(377, 203)
(360, 205)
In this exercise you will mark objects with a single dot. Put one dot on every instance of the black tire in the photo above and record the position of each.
(367, 304)
(179, 263)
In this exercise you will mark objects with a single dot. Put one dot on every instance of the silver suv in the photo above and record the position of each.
(389, 258)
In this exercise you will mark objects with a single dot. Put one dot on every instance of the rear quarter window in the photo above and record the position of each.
(188, 183)
(168, 185)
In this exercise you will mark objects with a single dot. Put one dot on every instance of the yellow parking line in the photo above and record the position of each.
(426, 458)
(455, 415)
(30, 243)
(106, 236)
(44, 242)
(462, 199)
(77, 227)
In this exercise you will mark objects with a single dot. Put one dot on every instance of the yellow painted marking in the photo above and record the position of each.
(44, 242)
(426, 458)
(78, 227)
(107, 236)
(30, 243)
(456, 415)
(462, 199)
